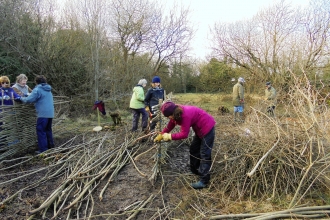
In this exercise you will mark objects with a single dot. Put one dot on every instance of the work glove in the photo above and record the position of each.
(147, 109)
(167, 137)
(158, 138)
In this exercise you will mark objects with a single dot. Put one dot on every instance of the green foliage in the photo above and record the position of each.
(66, 62)
(215, 76)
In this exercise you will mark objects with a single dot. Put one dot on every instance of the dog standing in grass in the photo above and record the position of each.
(223, 110)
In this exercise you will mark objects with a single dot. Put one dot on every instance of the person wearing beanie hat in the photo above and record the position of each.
(241, 80)
(138, 107)
(154, 94)
(270, 96)
(156, 79)
(202, 124)
(238, 99)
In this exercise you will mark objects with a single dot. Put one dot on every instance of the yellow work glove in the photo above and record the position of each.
(158, 138)
(147, 109)
(167, 137)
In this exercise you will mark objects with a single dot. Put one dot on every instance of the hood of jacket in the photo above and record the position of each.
(44, 86)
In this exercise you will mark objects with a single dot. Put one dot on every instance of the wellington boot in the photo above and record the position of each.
(198, 185)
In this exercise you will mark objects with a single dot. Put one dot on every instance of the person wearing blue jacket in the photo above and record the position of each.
(7, 94)
(42, 96)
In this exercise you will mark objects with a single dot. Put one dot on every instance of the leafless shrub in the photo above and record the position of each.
(267, 157)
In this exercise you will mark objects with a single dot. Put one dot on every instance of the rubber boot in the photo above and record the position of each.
(241, 119)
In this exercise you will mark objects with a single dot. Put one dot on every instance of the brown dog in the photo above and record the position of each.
(223, 110)
(115, 118)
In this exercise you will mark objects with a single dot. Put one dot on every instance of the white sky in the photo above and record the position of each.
(205, 13)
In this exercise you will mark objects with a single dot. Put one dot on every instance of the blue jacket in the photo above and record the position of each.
(152, 97)
(42, 96)
(8, 94)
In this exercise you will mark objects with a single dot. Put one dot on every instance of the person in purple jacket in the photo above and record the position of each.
(202, 124)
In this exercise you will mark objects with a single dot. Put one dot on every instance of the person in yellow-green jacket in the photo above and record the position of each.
(138, 107)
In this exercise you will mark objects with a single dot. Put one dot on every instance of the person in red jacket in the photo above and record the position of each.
(202, 124)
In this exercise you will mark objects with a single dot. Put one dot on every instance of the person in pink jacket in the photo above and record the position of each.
(202, 124)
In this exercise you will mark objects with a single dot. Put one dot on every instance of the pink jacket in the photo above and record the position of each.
(200, 121)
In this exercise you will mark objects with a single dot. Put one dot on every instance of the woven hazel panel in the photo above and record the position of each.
(18, 128)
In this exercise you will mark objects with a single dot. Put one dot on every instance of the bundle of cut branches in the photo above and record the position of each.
(80, 167)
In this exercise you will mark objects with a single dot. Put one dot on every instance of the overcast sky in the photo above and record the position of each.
(204, 13)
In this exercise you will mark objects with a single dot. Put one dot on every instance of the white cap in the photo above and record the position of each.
(241, 79)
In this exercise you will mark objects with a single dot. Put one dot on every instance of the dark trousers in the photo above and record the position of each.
(45, 134)
(136, 117)
(200, 155)
(153, 122)
(270, 110)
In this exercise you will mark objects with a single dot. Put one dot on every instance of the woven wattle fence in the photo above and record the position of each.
(18, 126)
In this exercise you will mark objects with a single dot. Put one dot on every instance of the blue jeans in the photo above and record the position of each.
(200, 155)
(45, 134)
(238, 108)
(136, 117)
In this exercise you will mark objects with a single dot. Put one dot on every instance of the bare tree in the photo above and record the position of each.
(130, 24)
(277, 38)
(170, 37)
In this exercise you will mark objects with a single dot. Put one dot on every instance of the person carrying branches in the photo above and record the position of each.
(270, 96)
(203, 125)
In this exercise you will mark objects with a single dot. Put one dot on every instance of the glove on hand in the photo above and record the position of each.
(147, 109)
(167, 137)
(158, 138)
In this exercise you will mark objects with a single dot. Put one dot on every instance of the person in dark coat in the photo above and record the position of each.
(154, 94)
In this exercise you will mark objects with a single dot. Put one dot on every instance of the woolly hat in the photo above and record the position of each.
(156, 79)
(168, 108)
(241, 79)
(268, 83)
